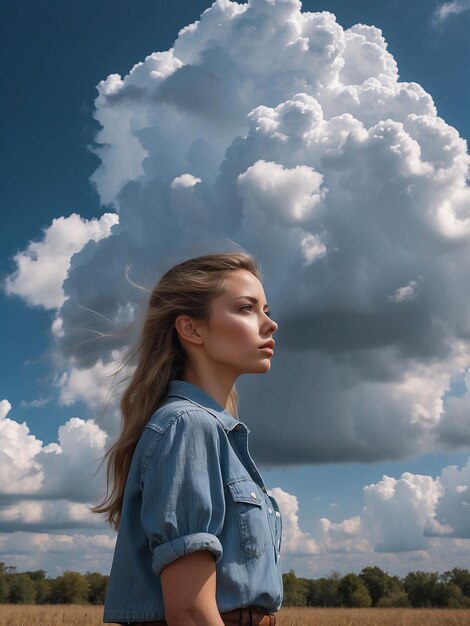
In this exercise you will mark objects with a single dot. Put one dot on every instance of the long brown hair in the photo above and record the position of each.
(188, 288)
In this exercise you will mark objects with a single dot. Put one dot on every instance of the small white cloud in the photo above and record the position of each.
(444, 11)
(34, 404)
(90, 385)
(57, 327)
(286, 196)
(312, 248)
(406, 293)
(185, 180)
(43, 266)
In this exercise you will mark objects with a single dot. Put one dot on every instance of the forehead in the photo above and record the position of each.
(241, 283)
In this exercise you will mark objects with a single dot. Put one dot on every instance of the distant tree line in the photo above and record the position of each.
(35, 588)
(372, 587)
(376, 588)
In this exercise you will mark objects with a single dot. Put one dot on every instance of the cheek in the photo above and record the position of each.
(232, 328)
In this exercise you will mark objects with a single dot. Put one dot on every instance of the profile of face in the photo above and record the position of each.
(238, 327)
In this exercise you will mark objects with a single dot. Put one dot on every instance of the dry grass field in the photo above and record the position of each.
(373, 617)
(76, 615)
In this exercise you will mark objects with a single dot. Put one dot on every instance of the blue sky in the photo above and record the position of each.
(57, 53)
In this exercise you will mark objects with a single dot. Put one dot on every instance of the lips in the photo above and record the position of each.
(269, 344)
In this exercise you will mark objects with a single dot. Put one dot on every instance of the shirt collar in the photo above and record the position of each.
(183, 389)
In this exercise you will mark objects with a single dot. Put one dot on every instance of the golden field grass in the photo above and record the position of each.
(75, 615)
(372, 617)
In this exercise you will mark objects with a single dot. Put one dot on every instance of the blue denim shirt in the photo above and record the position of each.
(193, 485)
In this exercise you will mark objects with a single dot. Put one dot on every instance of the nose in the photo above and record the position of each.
(271, 325)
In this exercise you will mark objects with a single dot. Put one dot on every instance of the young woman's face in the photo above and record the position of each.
(240, 325)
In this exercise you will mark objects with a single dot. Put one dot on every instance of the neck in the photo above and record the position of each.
(218, 386)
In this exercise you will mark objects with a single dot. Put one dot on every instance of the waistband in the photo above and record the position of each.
(248, 616)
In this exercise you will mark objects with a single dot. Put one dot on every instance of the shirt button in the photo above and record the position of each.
(278, 514)
(253, 495)
(270, 510)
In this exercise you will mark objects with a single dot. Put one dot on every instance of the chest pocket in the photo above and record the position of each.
(251, 511)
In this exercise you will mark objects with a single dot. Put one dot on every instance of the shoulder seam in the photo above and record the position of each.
(148, 456)
(159, 430)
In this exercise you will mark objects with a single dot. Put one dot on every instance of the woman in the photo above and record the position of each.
(199, 536)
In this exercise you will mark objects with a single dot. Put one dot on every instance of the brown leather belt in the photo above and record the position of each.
(249, 616)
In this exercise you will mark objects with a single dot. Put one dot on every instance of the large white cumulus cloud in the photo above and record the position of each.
(406, 523)
(406, 514)
(403, 521)
(295, 137)
(44, 487)
(45, 494)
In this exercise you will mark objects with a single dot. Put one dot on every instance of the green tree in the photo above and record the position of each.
(97, 584)
(324, 592)
(21, 589)
(379, 583)
(353, 592)
(305, 585)
(70, 588)
(449, 595)
(41, 584)
(7, 569)
(4, 588)
(295, 590)
(420, 587)
(394, 600)
(4, 582)
(460, 577)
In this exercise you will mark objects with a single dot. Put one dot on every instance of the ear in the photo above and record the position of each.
(188, 329)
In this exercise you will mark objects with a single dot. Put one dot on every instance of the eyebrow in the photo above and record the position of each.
(252, 299)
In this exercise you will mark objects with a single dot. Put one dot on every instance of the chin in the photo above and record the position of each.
(258, 367)
(263, 367)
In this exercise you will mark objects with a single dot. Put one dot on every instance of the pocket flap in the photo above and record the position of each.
(246, 491)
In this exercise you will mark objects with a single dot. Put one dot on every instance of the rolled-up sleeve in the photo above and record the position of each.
(183, 501)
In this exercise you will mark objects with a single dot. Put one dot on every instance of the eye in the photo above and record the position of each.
(250, 306)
